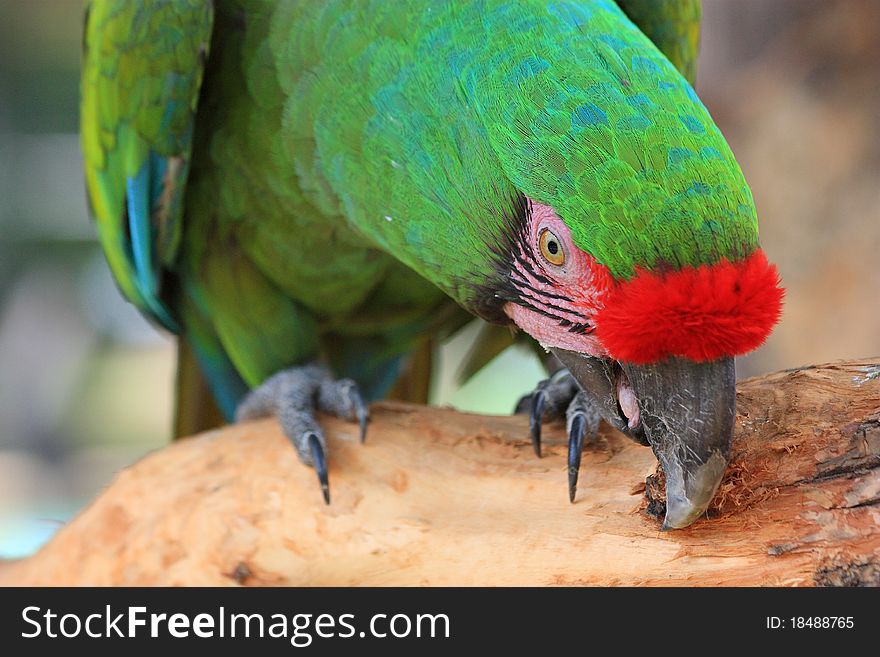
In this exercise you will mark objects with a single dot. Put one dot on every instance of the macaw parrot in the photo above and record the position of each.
(311, 193)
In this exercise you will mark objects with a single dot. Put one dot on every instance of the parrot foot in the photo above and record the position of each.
(555, 398)
(295, 395)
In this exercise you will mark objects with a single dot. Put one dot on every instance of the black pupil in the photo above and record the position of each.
(553, 247)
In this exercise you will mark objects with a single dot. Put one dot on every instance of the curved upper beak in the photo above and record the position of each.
(686, 413)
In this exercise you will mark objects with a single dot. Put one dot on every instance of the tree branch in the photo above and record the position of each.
(438, 497)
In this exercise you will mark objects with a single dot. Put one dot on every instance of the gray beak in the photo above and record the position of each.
(686, 414)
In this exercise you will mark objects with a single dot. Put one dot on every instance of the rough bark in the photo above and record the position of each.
(437, 497)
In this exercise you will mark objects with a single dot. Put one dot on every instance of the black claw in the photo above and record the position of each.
(362, 416)
(361, 411)
(539, 400)
(362, 420)
(320, 465)
(575, 448)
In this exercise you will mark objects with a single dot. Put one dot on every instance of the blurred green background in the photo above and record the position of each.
(86, 383)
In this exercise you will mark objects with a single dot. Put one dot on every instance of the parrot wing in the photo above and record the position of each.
(143, 64)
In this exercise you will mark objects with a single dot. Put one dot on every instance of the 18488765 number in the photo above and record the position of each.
(810, 622)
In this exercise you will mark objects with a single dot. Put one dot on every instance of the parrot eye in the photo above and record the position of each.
(551, 248)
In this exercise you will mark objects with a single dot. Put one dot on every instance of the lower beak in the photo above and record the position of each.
(686, 413)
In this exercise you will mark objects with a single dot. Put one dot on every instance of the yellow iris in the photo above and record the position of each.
(551, 248)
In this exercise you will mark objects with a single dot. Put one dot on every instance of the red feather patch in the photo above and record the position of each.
(701, 313)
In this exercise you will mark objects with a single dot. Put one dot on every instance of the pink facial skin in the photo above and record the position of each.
(570, 292)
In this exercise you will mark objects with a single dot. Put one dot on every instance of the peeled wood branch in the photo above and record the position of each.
(439, 497)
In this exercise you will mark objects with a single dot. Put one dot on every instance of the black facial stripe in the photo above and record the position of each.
(540, 311)
(528, 297)
(519, 283)
(528, 267)
(582, 329)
